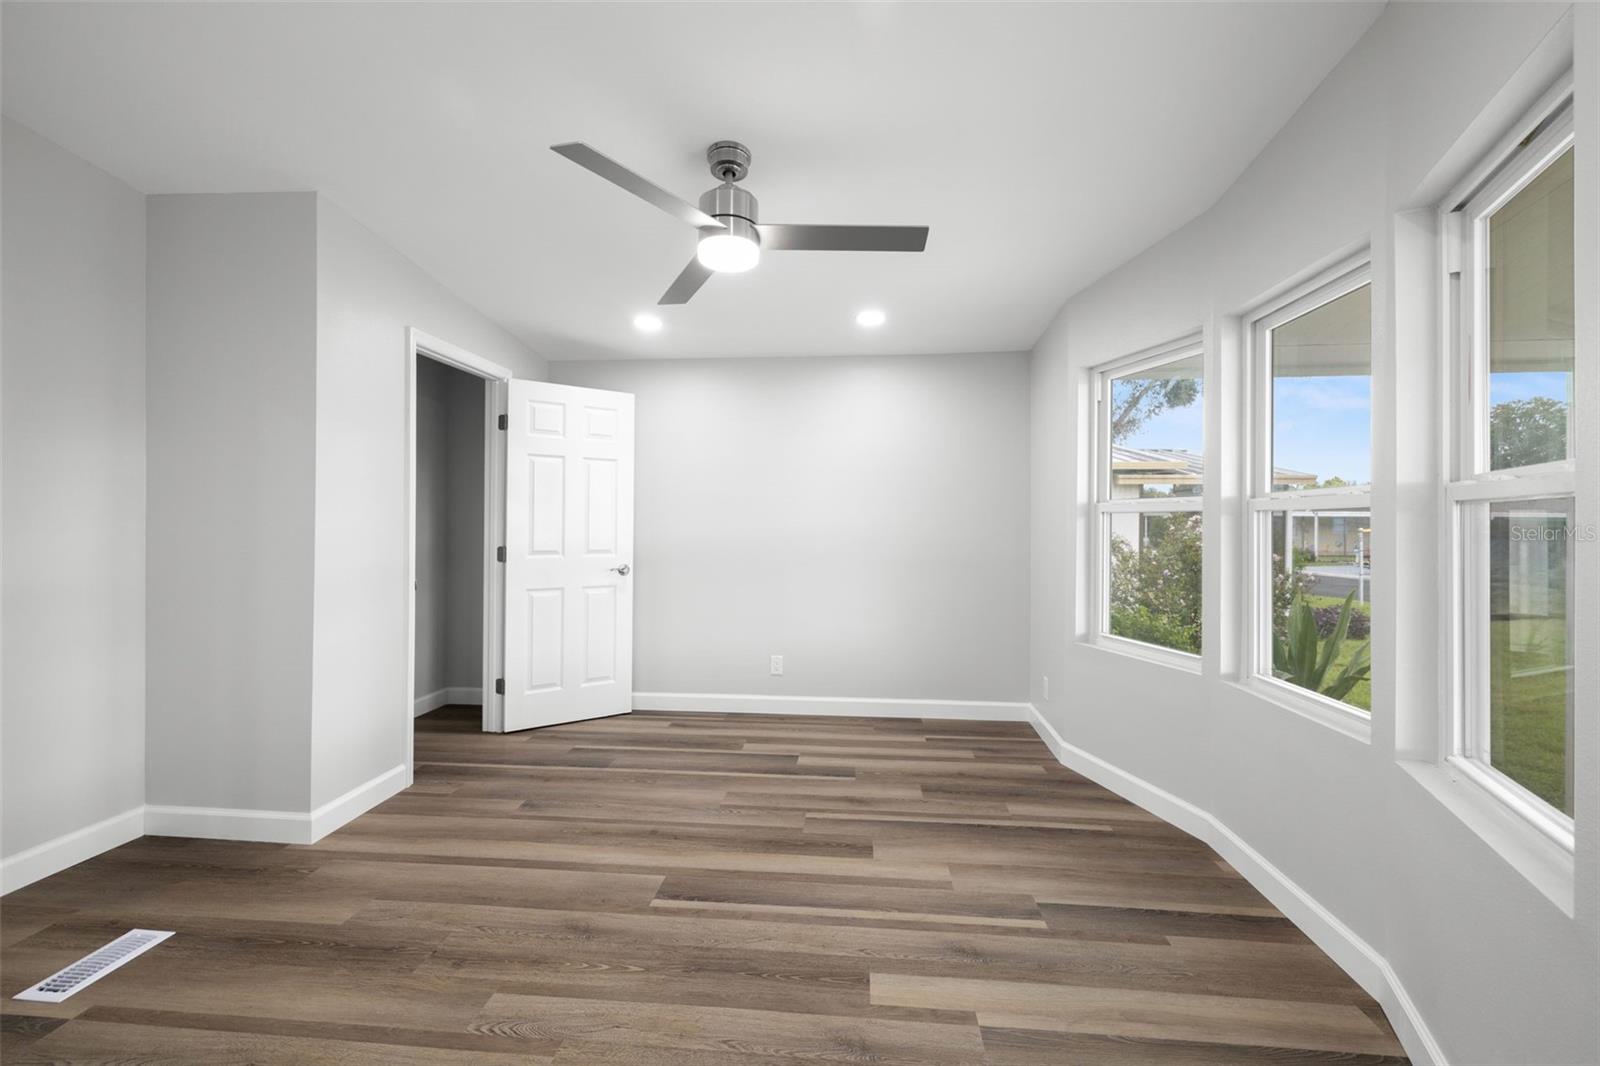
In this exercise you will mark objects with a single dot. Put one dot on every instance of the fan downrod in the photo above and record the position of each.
(730, 160)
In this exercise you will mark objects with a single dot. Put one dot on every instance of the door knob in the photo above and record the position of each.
(623, 569)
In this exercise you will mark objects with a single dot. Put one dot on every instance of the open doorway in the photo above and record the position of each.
(556, 545)
(448, 637)
(455, 402)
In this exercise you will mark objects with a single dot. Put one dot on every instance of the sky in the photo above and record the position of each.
(1524, 385)
(1179, 428)
(1323, 425)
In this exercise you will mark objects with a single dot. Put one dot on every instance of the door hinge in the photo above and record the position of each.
(499, 686)
(500, 554)
(503, 424)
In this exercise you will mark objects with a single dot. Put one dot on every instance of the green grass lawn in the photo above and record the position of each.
(1528, 678)
(1528, 699)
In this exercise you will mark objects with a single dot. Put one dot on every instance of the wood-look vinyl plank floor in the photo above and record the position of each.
(694, 890)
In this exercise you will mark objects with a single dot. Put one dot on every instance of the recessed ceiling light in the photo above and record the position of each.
(871, 318)
(645, 322)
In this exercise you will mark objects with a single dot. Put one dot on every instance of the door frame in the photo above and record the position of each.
(495, 376)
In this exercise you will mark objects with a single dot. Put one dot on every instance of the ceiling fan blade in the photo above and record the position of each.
(688, 283)
(784, 236)
(644, 189)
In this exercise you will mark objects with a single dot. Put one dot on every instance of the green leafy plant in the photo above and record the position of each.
(1142, 624)
(1302, 657)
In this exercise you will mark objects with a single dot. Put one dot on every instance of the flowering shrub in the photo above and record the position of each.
(1155, 593)
(1328, 620)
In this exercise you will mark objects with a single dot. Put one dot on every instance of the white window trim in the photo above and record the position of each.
(1530, 482)
(1103, 507)
(1307, 704)
(1535, 811)
(1468, 482)
(1151, 653)
(1261, 501)
(1328, 286)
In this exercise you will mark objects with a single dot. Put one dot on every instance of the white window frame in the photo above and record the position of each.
(1190, 346)
(1262, 502)
(1543, 135)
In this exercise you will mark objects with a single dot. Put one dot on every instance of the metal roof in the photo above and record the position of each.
(1176, 464)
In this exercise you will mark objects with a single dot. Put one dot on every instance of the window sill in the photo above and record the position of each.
(1540, 859)
(1528, 808)
(1324, 712)
(1150, 653)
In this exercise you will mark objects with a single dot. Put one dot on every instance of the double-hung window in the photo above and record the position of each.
(1309, 614)
(1512, 482)
(1150, 477)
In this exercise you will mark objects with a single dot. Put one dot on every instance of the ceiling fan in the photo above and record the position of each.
(731, 231)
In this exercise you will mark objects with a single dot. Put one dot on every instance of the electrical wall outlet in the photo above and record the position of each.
(777, 666)
(1045, 688)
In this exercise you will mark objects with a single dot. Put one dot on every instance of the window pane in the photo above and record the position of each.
(1530, 321)
(1326, 562)
(1322, 395)
(1530, 646)
(1155, 579)
(1157, 436)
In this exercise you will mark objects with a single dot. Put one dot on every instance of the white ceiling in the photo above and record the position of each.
(1044, 144)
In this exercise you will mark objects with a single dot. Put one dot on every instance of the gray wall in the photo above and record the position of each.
(463, 635)
(72, 703)
(1379, 836)
(433, 525)
(450, 549)
(367, 294)
(232, 465)
(864, 517)
(204, 468)
(278, 572)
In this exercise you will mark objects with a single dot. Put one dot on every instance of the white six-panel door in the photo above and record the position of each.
(569, 553)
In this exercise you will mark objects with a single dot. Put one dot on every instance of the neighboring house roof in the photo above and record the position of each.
(1174, 466)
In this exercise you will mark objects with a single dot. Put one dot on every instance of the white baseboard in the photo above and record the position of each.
(358, 801)
(723, 703)
(209, 823)
(1359, 959)
(273, 827)
(228, 823)
(445, 697)
(69, 849)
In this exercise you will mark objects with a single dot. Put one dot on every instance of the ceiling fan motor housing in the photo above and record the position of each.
(730, 160)
(735, 208)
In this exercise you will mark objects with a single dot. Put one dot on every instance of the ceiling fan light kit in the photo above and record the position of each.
(728, 253)
(729, 220)
(736, 247)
